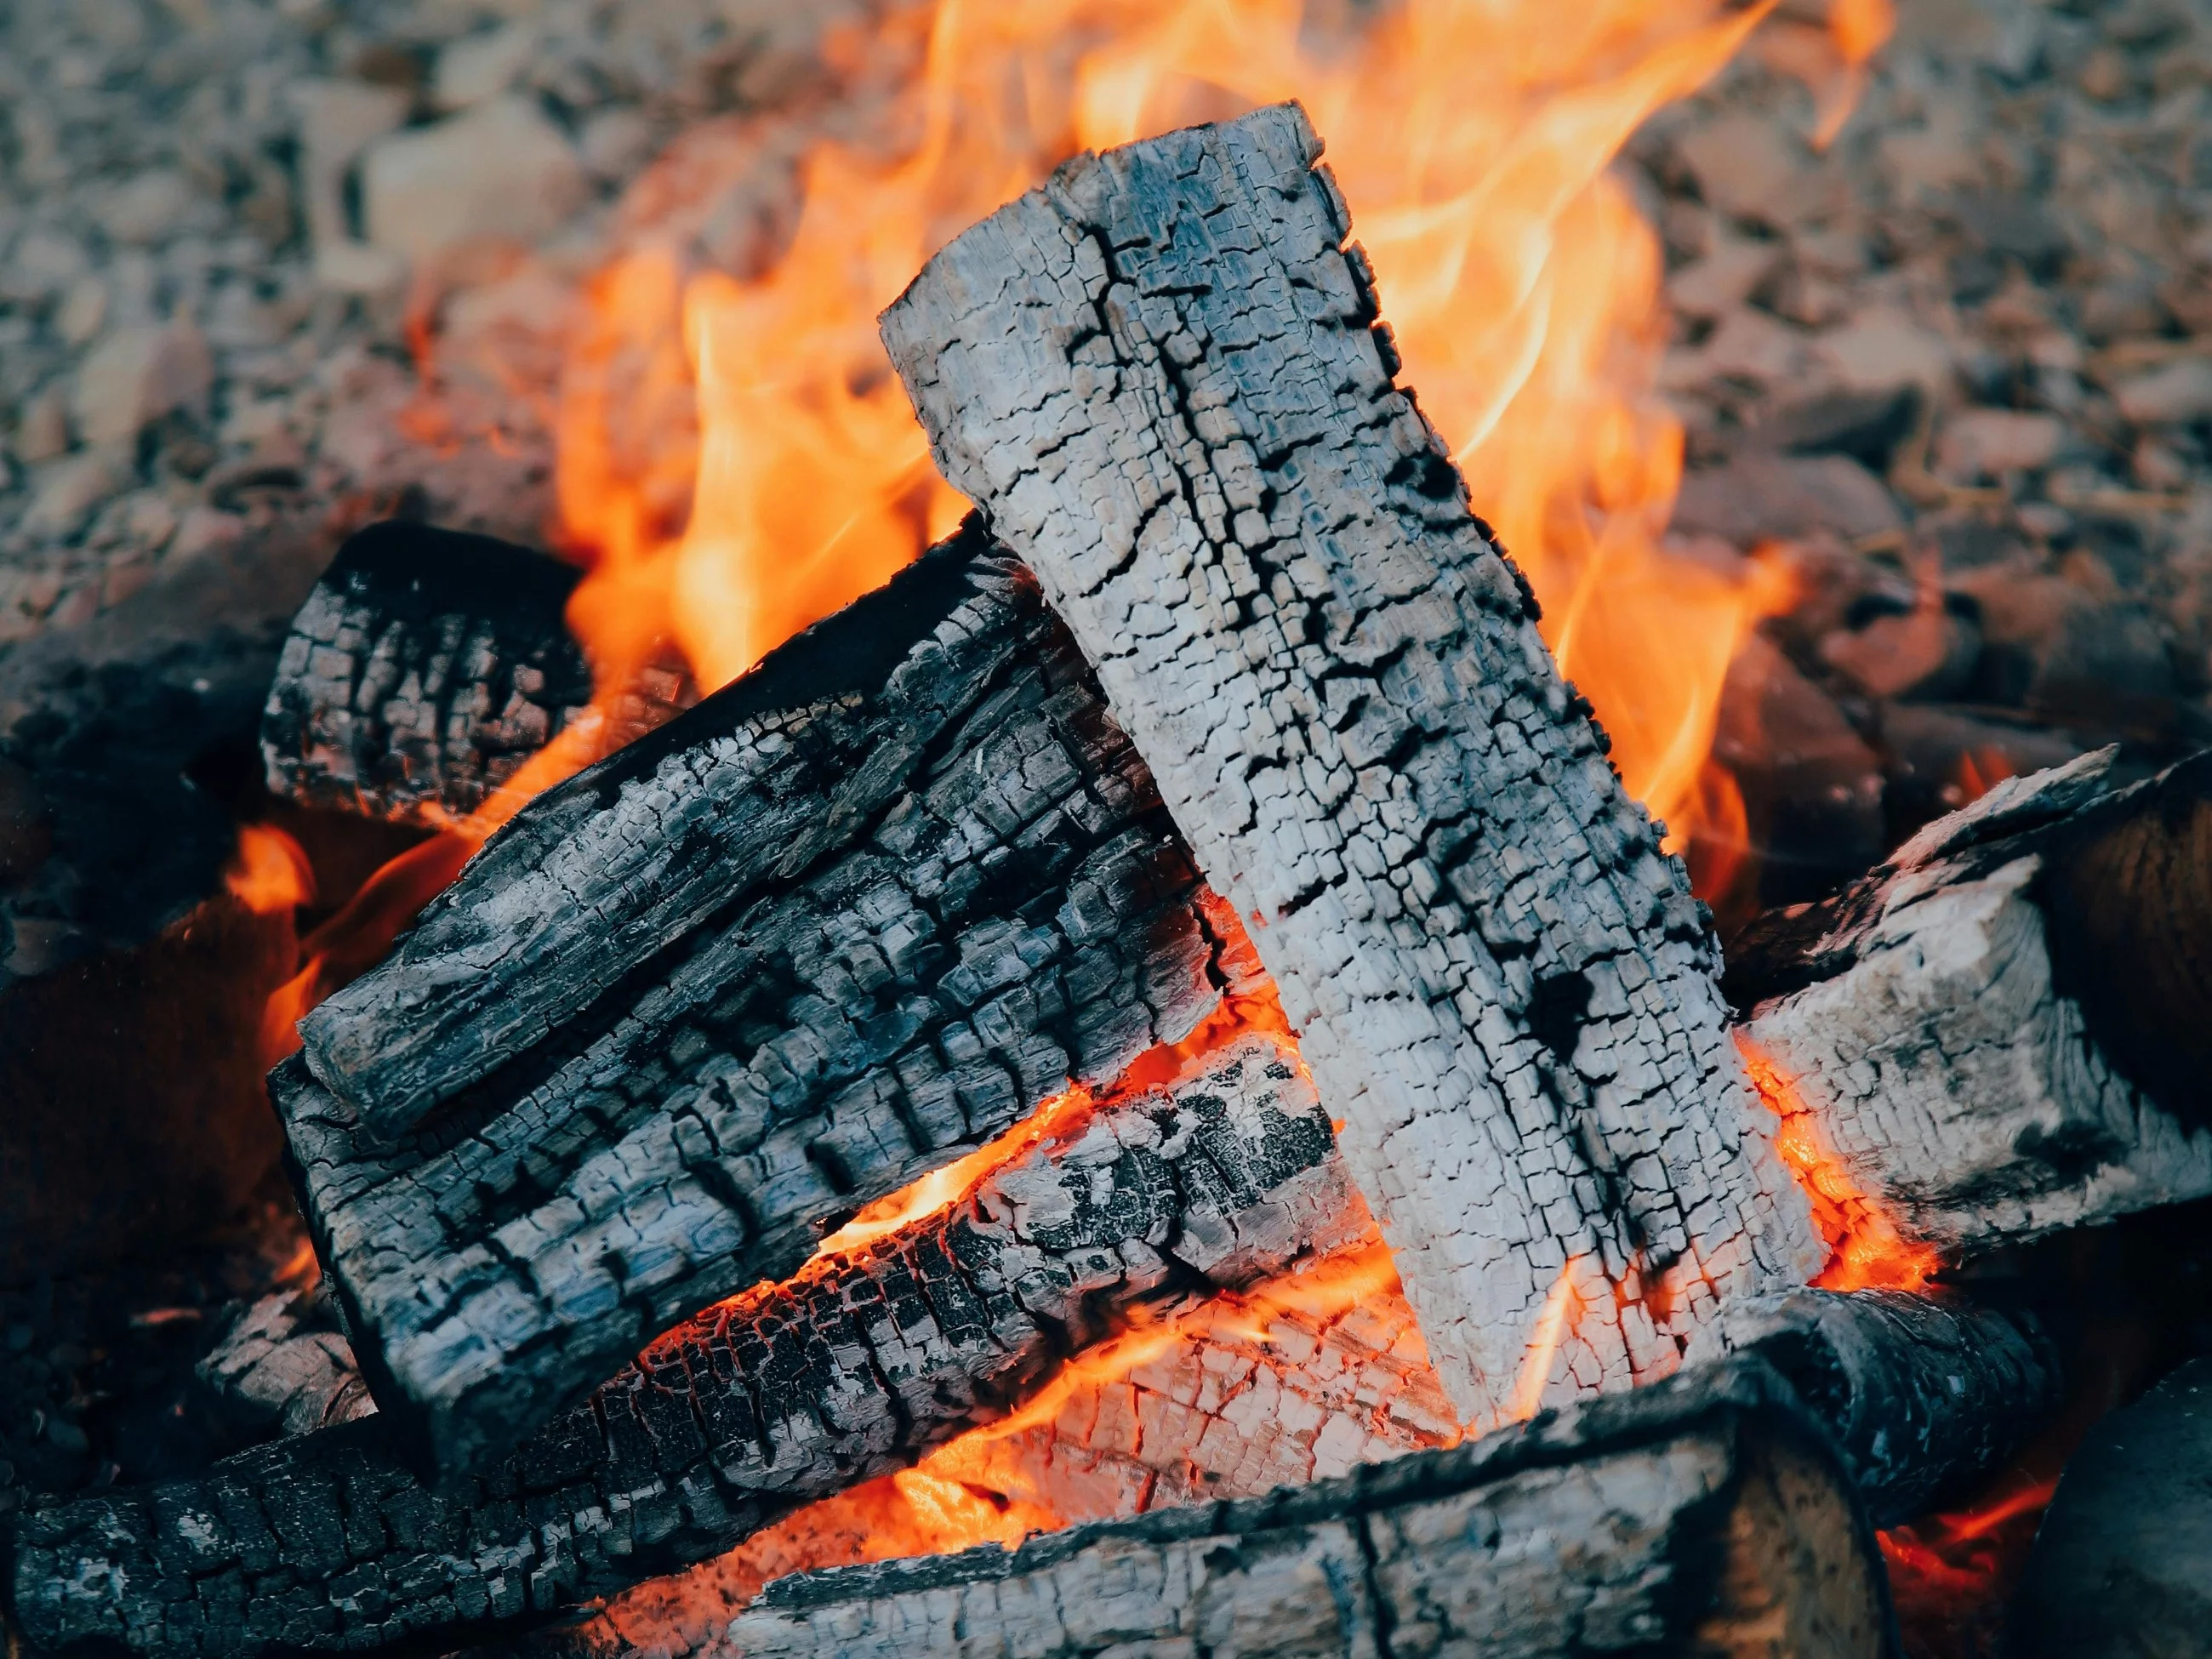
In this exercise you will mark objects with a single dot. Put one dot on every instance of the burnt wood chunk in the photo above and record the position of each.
(783, 1395)
(1162, 379)
(424, 669)
(842, 923)
(1993, 1035)
(1925, 1395)
(1704, 1515)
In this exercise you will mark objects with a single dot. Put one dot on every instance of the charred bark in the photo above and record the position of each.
(1924, 1396)
(1994, 1033)
(425, 668)
(1701, 1515)
(331, 1541)
(843, 922)
(1162, 378)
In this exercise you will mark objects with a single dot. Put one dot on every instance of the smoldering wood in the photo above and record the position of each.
(1164, 379)
(1252, 1392)
(285, 1367)
(1993, 1033)
(1926, 1395)
(794, 1391)
(426, 666)
(911, 880)
(1702, 1515)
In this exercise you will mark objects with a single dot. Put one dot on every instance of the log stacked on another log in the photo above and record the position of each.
(843, 922)
(1164, 379)
(2003, 1030)
(1702, 1516)
(426, 667)
(791, 1393)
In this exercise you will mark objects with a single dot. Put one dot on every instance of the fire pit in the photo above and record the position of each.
(1560, 1013)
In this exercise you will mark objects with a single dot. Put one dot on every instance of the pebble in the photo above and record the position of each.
(134, 375)
(502, 170)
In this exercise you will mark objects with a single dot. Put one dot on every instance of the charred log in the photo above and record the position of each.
(1164, 379)
(1993, 1033)
(843, 922)
(331, 1541)
(1702, 1516)
(1924, 1396)
(425, 668)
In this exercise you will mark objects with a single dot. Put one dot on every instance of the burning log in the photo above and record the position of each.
(1924, 1396)
(1162, 378)
(1705, 1514)
(2003, 1030)
(425, 668)
(331, 1541)
(842, 923)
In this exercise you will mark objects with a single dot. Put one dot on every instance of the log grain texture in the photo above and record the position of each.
(1700, 1516)
(331, 1541)
(854, 916)
(426, 666)
(1162, 378)
(2001, 1032)
(1926, 1396)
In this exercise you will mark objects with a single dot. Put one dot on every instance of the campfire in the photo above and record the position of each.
(1070, 974)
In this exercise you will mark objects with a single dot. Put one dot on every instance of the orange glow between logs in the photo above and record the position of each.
(1866, 1249)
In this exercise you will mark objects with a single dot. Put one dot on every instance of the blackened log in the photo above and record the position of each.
(1925, 1395)
(426, 667)
(284, 1367)
(331, 1541)
(1162, 378)
(897, 893)
(2003, 1031)
(1702, 1516)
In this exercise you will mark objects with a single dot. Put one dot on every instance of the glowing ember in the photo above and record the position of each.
(1561, 1307)
(1867, 1250)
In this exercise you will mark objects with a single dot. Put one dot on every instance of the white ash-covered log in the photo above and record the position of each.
(2004, 1029)
(1164, 379)
(1704, 1515)
(426, 666)
(331, 1541)
(1924, 1395)
(840, 924)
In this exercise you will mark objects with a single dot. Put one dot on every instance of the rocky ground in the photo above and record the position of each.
(1954, 375)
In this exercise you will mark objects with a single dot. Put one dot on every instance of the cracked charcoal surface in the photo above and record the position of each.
(425, 668)
(791, 1392)
(979, 899)
(1705, 1522)
(1165, 382)
(1925, 1396)
(1922, 1018)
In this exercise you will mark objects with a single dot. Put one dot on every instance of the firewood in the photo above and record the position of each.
(1925, 1395)
(332, 1540)
(425, 667)
(1702, 1516)
(841, 923)
(1162, 380)
(2002, 1031)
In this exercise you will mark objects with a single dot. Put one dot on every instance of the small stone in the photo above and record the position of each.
(2175, 395)
(1882, 349)
(1928, 652)
(1988, 443)
(2106, 75)
(478, 67)
(146, 209)
(502, 170)
(352, 267)
(66, 492)
(615, 142)
(337, 120)
(1760, 497)
(137, 374)
(42, 433)
(204, 530)
(1752, 169)
(44, 262)
(1750, 345)
(1723, 279)
(84, 308)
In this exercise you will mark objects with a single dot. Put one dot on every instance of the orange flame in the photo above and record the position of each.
(1521, 281)
(1562, 1306)
(270, 873)
(1867, 1250)
(1858, 29)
